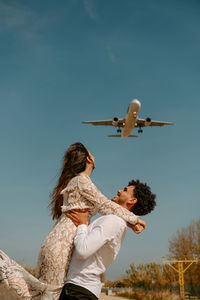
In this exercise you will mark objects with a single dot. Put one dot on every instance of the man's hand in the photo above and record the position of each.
(138, 227)
(78, 216)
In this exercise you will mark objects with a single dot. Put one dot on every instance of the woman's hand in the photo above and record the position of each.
(138, 227)
(78, 216)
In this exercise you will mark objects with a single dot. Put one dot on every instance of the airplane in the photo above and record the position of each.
(130, 122)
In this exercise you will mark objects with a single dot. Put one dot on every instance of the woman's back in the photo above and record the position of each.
(56, 250)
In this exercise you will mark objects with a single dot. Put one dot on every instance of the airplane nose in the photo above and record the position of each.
(136, 101)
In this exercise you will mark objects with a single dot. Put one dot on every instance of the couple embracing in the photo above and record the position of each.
(75, 254)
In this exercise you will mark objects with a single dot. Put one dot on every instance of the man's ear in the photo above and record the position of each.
(131, 202)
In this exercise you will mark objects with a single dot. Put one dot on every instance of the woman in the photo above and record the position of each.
(74, 190)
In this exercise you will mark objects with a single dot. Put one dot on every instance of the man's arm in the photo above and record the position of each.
(88, 243)
(79, 219)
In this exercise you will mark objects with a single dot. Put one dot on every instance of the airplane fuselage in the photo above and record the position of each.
(131, 117)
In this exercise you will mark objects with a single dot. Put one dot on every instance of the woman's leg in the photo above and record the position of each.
(16, 282)
(56, 252)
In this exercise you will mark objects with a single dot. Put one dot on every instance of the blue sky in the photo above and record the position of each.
(62, 62)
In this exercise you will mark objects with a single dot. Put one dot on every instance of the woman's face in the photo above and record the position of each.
(92, 159)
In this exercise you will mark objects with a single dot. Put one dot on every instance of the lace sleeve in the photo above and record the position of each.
(104, 206)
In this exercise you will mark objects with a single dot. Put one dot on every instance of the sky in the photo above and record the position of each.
(63, 62)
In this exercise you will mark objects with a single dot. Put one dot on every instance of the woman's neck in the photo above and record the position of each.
(87, 171)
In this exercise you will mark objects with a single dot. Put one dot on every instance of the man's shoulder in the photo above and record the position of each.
(111, 219)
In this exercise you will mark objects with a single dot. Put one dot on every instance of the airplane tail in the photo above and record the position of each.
(119, 135)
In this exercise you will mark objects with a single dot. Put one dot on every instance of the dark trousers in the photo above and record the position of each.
(75, 292)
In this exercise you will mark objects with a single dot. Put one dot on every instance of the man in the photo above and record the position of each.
(97, 245)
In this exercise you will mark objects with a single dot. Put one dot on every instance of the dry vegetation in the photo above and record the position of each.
(30, 269)
(151, 295)
(158, 281)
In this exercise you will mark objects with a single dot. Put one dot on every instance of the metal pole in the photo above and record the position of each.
(180, 271)
(181, 279)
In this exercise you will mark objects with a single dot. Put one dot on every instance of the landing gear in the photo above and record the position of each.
(140, 130)
(119, 130)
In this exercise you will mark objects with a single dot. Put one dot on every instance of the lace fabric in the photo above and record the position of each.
(56, 250)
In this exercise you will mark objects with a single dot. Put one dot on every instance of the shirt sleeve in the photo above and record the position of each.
(88, 243)
(104, 206)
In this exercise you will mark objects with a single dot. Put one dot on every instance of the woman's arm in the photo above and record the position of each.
(105, 207)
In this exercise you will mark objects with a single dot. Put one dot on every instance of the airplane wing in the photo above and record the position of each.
(142, 123)
(105, 123)
(118, 135)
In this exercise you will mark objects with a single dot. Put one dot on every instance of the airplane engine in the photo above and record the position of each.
(148, 122)
(115, 121)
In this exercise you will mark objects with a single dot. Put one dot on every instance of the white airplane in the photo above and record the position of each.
(130, 122)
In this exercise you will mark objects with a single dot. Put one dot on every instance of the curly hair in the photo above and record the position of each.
(145, 198)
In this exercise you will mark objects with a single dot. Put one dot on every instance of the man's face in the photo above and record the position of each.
(125, 197)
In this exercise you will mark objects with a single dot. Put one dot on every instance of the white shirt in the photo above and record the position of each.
(96, 246)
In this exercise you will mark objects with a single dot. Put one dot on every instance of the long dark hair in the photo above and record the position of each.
(74, 162)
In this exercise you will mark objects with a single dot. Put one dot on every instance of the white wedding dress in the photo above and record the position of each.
(16, 283)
